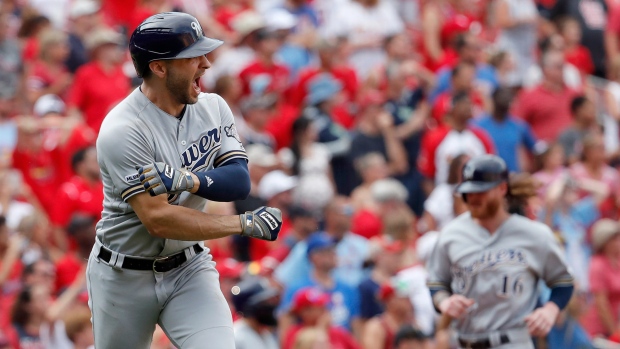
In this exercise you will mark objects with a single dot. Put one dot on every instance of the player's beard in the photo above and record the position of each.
(488, 210)
(179, 87)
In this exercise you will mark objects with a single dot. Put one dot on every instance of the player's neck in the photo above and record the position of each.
(493, 223)
(163, 100)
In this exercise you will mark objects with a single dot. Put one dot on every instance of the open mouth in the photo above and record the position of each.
(196, 84)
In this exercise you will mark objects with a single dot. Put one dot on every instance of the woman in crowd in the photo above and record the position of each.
(309, 161)
(550, 165)
(48, 74)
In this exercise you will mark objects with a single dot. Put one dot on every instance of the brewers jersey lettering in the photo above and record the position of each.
(137, 133)
(499, 272)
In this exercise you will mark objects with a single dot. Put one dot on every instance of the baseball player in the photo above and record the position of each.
(163, 151)
(486, 265)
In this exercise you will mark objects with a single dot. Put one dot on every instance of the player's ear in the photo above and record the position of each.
(158, 68)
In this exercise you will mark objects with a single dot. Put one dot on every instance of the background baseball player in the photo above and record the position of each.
(487, 262)
(163, 152)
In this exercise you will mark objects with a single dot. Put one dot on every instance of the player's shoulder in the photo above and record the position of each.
(457, 226)
(123, 121)
(212, 102)
(531, 228)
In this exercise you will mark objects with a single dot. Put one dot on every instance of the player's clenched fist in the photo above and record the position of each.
(263, 223)
(159, 178)
(455, 306)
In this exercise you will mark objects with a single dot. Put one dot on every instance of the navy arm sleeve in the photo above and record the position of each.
(229, 182)
(560, 295)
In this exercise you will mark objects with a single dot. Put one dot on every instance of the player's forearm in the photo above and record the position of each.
(229, 182)
(181, 223)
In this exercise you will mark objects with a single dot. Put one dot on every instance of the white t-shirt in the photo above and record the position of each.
(440, 204)
(420, 296)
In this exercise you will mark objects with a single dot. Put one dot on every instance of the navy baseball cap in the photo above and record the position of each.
(319, 241)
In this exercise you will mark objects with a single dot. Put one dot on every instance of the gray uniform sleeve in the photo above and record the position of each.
(231, 143)
(554, 269)
(439, 276)
(119, 150)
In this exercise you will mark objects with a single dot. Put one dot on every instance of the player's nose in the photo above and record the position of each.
(204, 62)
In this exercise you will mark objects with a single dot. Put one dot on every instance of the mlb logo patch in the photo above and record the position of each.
(131, 178)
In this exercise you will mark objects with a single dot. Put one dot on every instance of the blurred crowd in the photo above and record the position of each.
(357, 117)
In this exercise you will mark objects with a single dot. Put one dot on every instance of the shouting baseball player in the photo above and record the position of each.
(486, 265)
(164, 151)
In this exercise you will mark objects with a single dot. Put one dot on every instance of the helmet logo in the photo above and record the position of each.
(196, 28)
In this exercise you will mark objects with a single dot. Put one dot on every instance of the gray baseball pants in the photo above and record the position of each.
(186, 302)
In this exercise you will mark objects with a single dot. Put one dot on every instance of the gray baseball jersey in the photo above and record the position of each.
(136, 133)
(499, 271)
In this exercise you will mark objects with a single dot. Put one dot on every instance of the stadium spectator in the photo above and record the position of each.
(550, 166)
(82, 193)
(303, 223)
(79, 328)
(385, 195)
(376, 133)
(570, 74)
(409, 337)
(371, 168)
(84, 17)
(601, 318)
(258, 111)
(264, 74)
(48, 74)
(509, 135)
(81, 229)
(592, 17)
(28, 314)
(309, 161)
(11, 66)
(456, 136)
(584, 122)
(344, 306)
(386, 257)
(546, 107)
(256, 301)
(379, 20)
(87, 99)
(462, 80)
(380, 331)
(351, 249)
(310, 307)
(612, 106)
(439, 206)
(575, 53)
(518, 23)
(31, 28)
(468, 48)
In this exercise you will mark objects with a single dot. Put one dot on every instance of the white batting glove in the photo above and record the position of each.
(263, 223)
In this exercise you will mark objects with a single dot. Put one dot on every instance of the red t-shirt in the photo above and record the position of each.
(96, 91)
(443, 102)
(119, 11)
(67, 269)
(40, 173)
(41, 77)
(278, 75)
(280, 127)
(31, 49)
(338, 338)
(367, 224)
(547, 112)
(81, 137)
(77, 196)
(604, 277)
(580, 58)
(442, 144)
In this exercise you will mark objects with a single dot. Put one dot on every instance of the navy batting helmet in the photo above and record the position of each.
(168, 35)
(483, 173)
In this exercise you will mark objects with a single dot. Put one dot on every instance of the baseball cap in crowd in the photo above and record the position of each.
(308, 297)
(280, 19)
(274, 183)
(101, 37)
(321, 88)
(318, 242)
(247, 22)
(388, 189)
(229, 268)
(48, 104)
(296, 211)
(603, 231)
(81, 8)
(261, 155)
(392, 288)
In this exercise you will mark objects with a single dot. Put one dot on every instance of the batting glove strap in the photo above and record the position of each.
(263, 223)
(159, 178)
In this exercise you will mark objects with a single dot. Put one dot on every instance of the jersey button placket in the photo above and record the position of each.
(183, 142)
